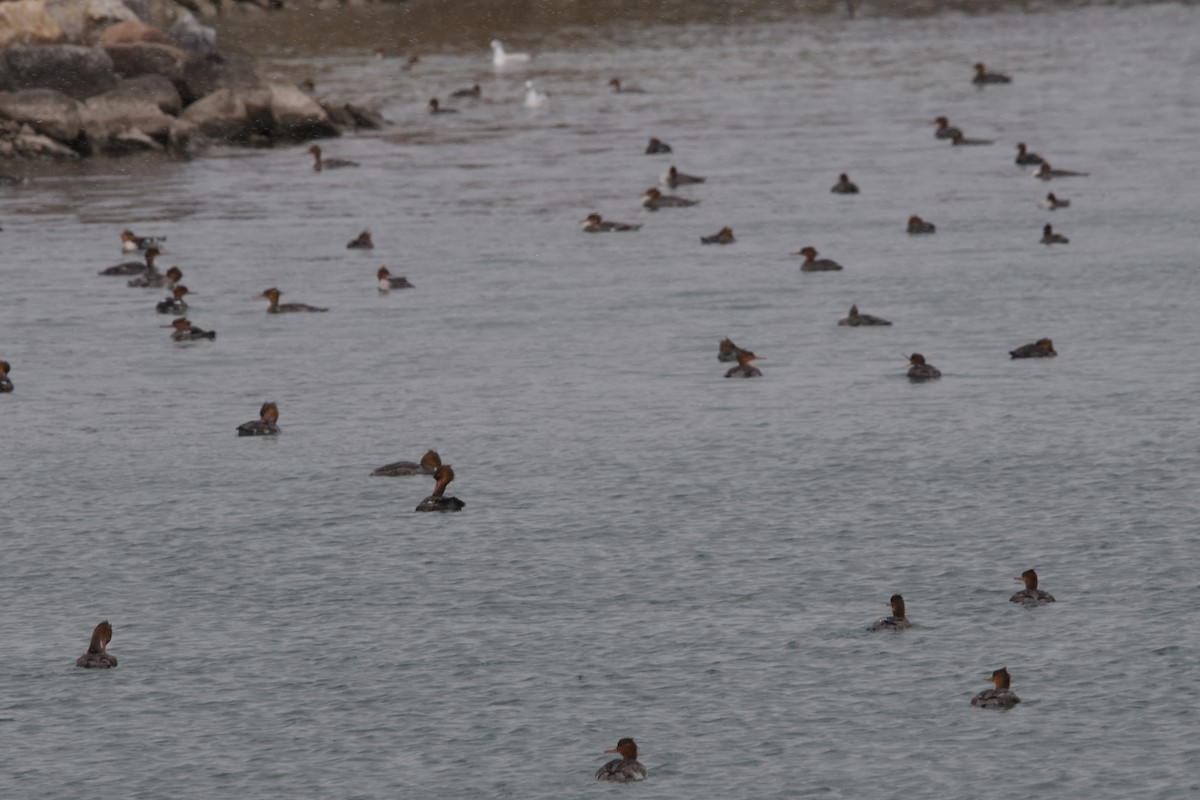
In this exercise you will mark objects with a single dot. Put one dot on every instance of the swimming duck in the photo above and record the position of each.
(743, 369)
(596, 224)
(944, 129)
(814, 264)
(97, 656)
(426, 466)
(918, 225)
(474, 91)
(918, 370)
(844, 185)
(503, 59)
(6, 384)
(1050, 202)
(982, 76)
(533, 97)
(1050, 237)
(653, 200)
(386, 281)
(156, 280)
(723, 236)
(1031, 595)
(437, 501)
(674, 177)
(328, 163)
(134, 267)
(625, 768)
(855, 319)
(1001, 697)
(361, 242)
(265, 425)
(1046, 172)
(958, 139)
(273, 294)
(435, 108)
(657, 146)
(897, 621)
(184, 331)
(1042, 348)
(617, 88)
(131, 243)
(728, 351)
(175, 304)
(1026, 157)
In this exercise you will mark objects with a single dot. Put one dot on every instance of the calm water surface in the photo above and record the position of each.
(647, 549)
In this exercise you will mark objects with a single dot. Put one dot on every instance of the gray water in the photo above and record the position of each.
(647, 549)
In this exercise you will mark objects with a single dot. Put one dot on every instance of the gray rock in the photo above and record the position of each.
(204, 75)
(296, 116)
(122, 120)
(232, 115)
(155, 88)
(80, 72)
(190, 35)
(46, 111)
(148, 58)
(30, 143)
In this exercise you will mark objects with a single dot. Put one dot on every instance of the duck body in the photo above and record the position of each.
(320, 163)
(175, 304)
(500, 58)
(132, 244)
(1050, 237)
(944, 129)
(135, 267)
(1031, 595)
(844, 185)
(673, 177)
(426, 466)
(723, 236)
(597, 224)
(813, 264)
(275, 307)
(1024, 157)
(919, 370)
(534, 98)
(185, 331)
(265, 425)
(1001, 696)
(744, 368)
(854, 319)
(917, 225)
(1046, 172)
(1050, 202)
(97, 655)
(438, 500)
(624, 769)
(6, 384)
(436, 108)
(728, 351)
(361, 242)
(983, 77)
(898, 621)
(474, 91)
(156, 280)
(656, 146)
(387, 282)
(653, 200)
(959, 140)
(1042, 348)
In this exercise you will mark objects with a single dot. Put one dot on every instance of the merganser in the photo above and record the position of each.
(175, 304)
(1050, 237)
(1051, 202)
(503, 59)
(958, 139)
(474, 91)
(944, 129)
(437, 501)
(844, 185)
(273, 294)
(653, 200)
(743, 369)
(427, 466)
(674, 177)
(97, 656)
(657, 146)
(723, 236)
(728, 351)
(617, 88)
(1046, 172)
(982, 76)
(1001, 697)
(132, 244)
(596, 224)
(1026, 157)
(411, 62)
(533, 97)
(386, 281)
(920, 371)
(1042, 348)
(855, 319)
(328, 163)
(134, 267)
(813, 264)
(1031, 595)
(6, 384)
(434, 108)
(265, 425)
(918, 225)
(184, 331)
(897, 621)
(361, 242)
(156, 280)
(623, 769)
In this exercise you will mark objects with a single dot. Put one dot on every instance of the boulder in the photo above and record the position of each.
(190, 35)
(132, 31)
(46, 111)
(203, 75)
(80, 72)
(148, 58)
(27, 22)
(122, 120)
(83, 20)
(31, 144)
(297, 116)
(232, 115)
(348, 115)
(155, 88)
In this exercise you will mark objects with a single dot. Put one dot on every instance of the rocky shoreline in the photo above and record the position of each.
(115, 77)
